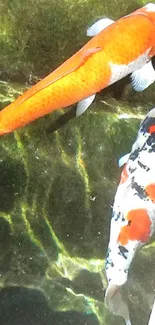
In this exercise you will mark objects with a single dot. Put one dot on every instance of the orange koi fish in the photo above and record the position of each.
(116, 50)
(133, 218)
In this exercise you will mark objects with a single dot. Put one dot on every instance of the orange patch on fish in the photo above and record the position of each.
(138, 227)
(132, 39)
(150, 190)
(124, 175)
(152, 129)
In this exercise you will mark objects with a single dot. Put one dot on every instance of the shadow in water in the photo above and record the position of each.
(21, 306)
(61, 120)
(115, 91)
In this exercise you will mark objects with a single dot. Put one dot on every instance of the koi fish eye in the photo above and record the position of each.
(150, 6)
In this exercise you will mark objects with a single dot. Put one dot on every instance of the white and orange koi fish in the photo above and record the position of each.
(116, 50)
(133, 217)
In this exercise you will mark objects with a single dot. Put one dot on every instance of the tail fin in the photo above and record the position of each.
(115, 303)
(152, 316)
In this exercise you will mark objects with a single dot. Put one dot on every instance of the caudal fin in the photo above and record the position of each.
(115, 303)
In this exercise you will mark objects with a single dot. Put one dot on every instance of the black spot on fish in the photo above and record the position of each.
(151, 143)
(116, 216)
(108, 263)
(107, 255)
(144, 147)
(134, 155)
(131, 170)
(139, 190)
(152, 148)
(123, 251)
(143, 166)
(113, 214)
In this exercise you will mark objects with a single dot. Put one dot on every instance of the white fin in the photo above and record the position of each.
(152, 316)
(150, 7)
(122, 161)
(98, 26)
(84, 104)
(115, 303)
(143, 77)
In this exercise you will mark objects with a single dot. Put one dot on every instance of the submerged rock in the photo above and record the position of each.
(57, 183)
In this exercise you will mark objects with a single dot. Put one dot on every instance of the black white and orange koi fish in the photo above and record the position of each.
(133, 217)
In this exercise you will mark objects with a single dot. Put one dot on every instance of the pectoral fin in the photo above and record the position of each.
(143, 77)
(84, 104)
(122, 161)
(99, 26)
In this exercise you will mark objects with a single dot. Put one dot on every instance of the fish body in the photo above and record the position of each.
(121, 48)
(133, 217)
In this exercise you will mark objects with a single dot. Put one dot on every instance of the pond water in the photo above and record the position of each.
(59, 175)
